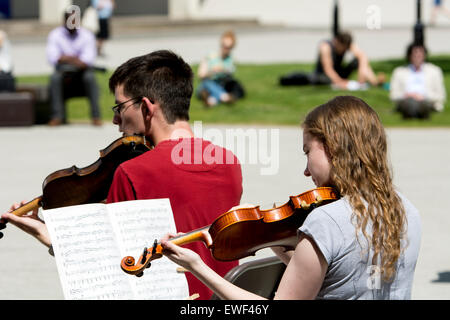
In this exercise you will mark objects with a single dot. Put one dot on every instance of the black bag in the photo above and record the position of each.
(303, 78)
(295, 79)
(7, 82)
(232, 86)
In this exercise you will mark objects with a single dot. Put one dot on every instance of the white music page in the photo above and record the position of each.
(89, 242)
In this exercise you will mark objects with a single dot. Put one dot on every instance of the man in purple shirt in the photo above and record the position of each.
(72, 51)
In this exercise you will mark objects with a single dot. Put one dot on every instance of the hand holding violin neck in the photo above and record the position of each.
(27, 207)
(129, 266)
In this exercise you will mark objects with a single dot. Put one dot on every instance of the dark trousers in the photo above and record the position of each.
(411, 108)
(65, 82)
(317, 77)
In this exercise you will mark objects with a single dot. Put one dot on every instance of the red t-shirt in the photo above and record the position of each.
(201, 180)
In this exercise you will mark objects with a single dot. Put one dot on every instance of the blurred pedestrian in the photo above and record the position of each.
(105, 10)
(7, 80)
(438, 8)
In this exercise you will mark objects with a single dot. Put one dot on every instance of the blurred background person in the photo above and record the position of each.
(216, 74)
(438, 8)
(105, 10)
(72, 52)
(417, 88)
(331, 69)
(7, 80)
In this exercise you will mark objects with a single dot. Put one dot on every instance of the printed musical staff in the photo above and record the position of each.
(89, 241)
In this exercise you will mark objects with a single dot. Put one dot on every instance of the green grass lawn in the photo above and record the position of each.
(268, 103)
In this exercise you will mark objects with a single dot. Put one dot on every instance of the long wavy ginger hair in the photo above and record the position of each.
(355, 141)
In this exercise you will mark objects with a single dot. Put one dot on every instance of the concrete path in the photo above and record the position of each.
(255, 44)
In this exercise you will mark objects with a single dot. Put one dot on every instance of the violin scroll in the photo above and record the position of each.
(129, 265)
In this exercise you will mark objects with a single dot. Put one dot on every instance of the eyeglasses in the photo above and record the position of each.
(117, 109)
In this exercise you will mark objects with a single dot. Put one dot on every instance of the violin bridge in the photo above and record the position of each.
(304, 205)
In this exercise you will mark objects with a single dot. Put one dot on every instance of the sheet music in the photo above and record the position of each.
(160, 281)
(89, 241)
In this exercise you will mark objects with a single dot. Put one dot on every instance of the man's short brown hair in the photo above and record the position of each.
(160, 75)
(344, 38)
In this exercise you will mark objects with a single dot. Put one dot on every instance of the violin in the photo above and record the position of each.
(240, 233)
(74, 186)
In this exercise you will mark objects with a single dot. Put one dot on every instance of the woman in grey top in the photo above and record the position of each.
(364, 245)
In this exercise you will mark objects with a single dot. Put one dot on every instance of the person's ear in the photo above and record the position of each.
(148, 110)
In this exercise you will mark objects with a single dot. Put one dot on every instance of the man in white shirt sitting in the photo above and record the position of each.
(418, 88)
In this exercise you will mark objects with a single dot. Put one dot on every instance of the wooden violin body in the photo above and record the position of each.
(73, 186)
(240, 233)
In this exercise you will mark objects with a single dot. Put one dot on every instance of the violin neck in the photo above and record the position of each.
(27, 207)
(201, 234)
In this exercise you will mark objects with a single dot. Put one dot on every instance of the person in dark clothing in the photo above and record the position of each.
(330, 67)
(7, 79)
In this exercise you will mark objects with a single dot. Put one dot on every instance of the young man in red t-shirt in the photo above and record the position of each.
(153, 93)
(201, 180)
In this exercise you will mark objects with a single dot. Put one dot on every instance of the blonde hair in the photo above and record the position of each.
(355, 141)
(230, 35)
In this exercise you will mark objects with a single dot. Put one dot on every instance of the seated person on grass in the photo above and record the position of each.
(216, 74)
(330, 68)
(417, 88)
